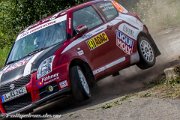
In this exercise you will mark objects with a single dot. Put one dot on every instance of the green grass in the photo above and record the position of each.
(3, 55)
(162, 88)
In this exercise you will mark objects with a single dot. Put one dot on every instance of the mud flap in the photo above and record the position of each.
(157, 51)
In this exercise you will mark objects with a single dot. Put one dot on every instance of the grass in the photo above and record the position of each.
(162, 91)
(117, 102)
(162, 88)
(3, 55)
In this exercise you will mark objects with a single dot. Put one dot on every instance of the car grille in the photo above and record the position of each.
(44, 92)
(18, 83)
(18, 103)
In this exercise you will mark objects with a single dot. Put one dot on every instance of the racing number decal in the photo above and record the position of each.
(97, 41)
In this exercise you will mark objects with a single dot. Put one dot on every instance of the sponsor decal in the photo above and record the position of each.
(63, 84)
(86, 36)
(128, 31)
(97, 41)
(124, 42)
(37, 29)
(40, 27)
(17, 65)
(81, 52)
(69, 23)
(106, 6)
(50, 78)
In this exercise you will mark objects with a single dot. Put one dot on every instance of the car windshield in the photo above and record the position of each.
(38, 41)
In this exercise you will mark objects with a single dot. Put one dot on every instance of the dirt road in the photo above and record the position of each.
(134, 109)
(130, 80)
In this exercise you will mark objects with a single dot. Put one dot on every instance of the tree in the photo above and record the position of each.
(6, 29)
(30, 11)
(15, 15)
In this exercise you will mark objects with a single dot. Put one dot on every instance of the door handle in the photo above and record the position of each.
(109, 27)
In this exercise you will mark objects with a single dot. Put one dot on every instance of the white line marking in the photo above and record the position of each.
(27, 69)
(101, 69)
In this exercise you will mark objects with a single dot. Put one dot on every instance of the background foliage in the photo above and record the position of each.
(15, 15)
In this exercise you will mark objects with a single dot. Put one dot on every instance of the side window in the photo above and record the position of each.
(107, 9)
(86, 16)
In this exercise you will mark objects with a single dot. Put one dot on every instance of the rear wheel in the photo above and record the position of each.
(146, 52)
(79, 84)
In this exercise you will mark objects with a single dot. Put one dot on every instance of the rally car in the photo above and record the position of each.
(68, 52)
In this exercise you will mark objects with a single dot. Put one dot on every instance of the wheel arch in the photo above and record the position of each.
(157, 51)
(85, 68)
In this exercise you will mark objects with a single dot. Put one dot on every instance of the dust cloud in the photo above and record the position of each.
(159, 14)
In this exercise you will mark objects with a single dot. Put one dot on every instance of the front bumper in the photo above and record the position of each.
(49, 98)
(37, 93)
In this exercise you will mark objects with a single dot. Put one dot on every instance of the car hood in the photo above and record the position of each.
(25, 66)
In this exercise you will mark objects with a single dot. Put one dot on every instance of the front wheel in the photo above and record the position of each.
(146, 52)
(79, 84)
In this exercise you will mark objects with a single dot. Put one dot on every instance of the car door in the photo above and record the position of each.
(121, 46)
(96, 45)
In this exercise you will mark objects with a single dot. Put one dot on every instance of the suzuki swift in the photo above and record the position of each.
(68, 52)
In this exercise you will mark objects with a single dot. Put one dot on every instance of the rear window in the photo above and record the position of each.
(107, 9)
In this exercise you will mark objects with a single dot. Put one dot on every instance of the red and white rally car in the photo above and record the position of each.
(71, 50)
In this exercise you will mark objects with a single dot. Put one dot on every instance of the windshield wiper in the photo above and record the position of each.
(12, 62)
(36, 51)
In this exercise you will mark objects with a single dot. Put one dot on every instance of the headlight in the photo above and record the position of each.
(45, 67)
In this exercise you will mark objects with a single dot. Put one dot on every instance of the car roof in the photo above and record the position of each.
(61, 13)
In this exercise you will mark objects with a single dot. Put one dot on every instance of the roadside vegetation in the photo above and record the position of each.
(3, 54)
(166, 86)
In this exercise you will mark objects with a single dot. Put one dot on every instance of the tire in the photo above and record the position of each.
(79, 84)
(146, 52)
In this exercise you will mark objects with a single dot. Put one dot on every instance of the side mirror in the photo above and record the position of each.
(81, 29)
